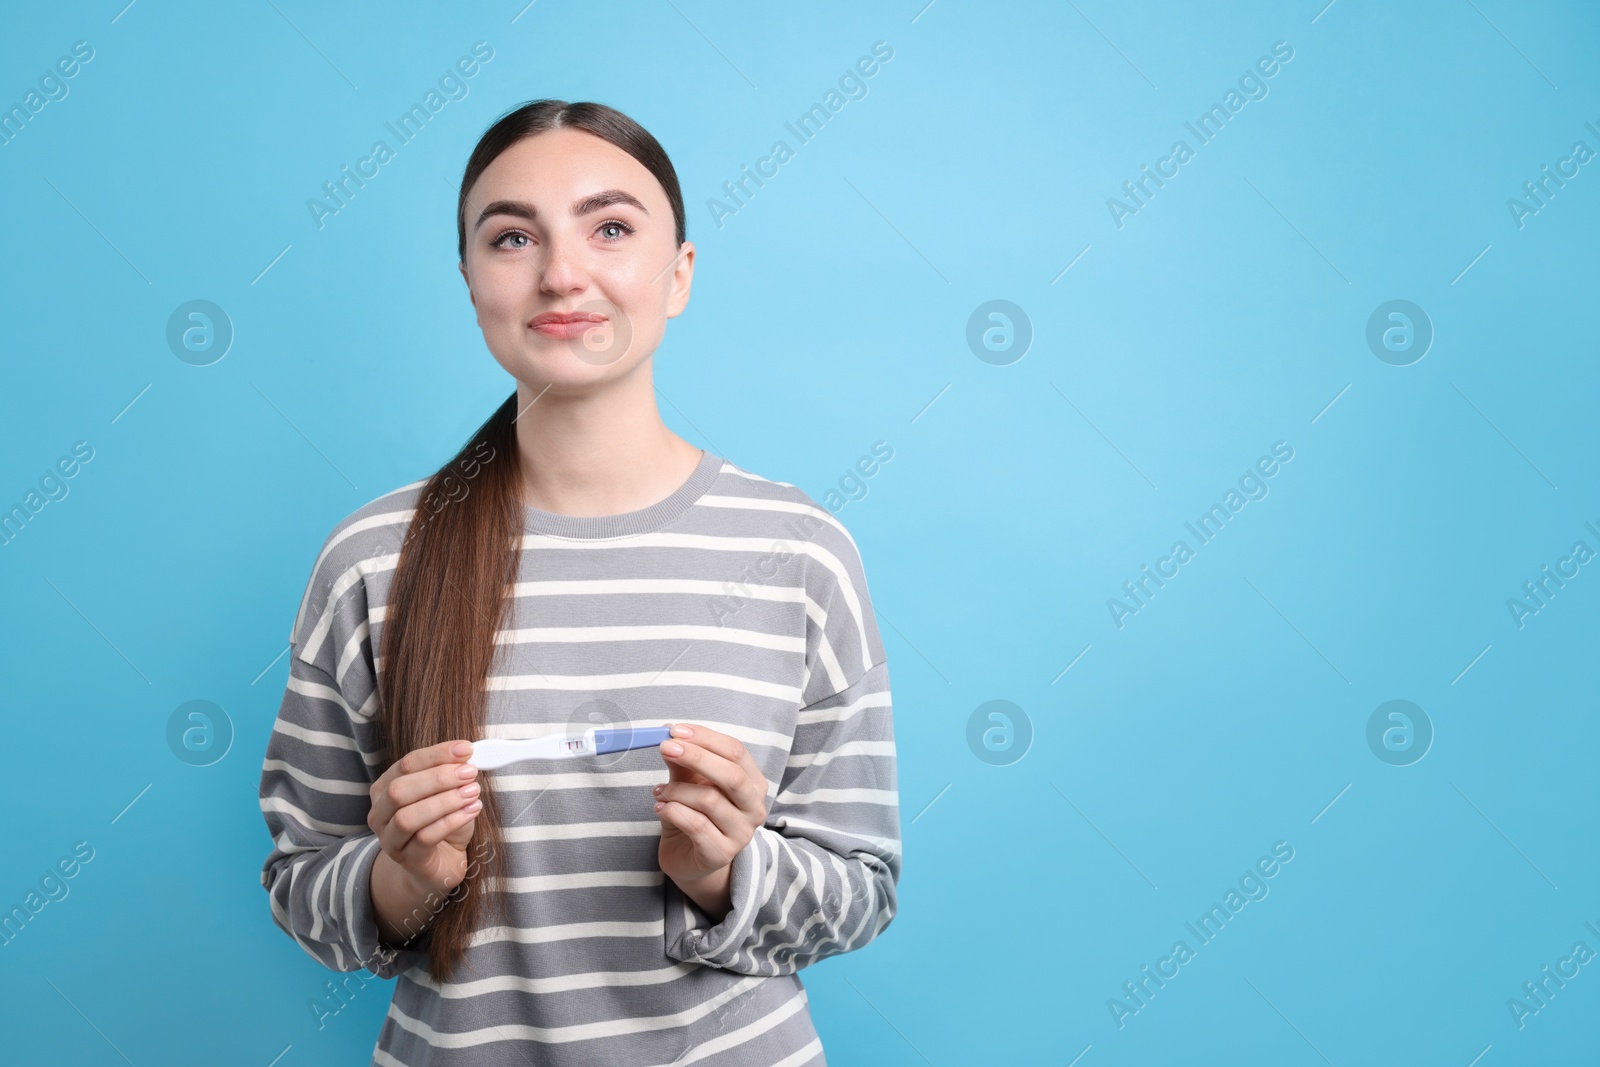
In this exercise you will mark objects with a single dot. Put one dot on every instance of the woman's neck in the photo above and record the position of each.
(592, 456)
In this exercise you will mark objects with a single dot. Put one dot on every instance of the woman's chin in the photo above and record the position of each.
(559, 370)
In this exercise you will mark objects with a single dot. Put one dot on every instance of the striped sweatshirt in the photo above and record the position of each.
(736, 602)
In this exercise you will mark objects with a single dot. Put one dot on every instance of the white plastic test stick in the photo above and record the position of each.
(492, 753)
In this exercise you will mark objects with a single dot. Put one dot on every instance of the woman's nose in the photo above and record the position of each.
(563, 268)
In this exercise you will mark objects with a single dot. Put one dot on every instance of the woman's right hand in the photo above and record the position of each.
(424, 810)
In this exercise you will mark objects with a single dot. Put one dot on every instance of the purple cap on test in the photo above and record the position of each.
(619, 740)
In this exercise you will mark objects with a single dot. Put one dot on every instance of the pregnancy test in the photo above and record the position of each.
(495, 752)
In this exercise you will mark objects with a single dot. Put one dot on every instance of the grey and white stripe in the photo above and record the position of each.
(737, 602)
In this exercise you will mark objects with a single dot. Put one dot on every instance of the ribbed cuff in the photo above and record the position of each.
(690, 933)
(354, 916)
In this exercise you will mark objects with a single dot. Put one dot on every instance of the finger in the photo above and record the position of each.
(423, 758)
(722, 744)
(699, 764)
(440, 829)
(725, 745)
(701, 830)
(677, 772)
(745, 789)
(443, 778)
(412, 818)
(710, 802)
(420, 759)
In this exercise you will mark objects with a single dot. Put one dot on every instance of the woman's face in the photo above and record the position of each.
(565, 223)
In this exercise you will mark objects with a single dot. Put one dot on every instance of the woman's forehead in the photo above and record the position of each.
(565, 165)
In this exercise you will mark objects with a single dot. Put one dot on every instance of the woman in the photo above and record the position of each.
(578, 564)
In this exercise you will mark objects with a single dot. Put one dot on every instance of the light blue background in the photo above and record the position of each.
(828, 314)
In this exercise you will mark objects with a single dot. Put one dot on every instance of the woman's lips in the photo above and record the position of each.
(566, 331)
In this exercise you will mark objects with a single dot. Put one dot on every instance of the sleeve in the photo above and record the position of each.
(321, 760)
(819, 877)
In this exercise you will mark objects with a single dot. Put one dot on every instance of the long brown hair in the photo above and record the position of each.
(451, 589)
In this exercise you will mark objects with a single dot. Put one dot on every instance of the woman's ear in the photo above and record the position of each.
(463, 269)
(682, 280)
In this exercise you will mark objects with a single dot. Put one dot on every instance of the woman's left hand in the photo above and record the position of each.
(714, 798)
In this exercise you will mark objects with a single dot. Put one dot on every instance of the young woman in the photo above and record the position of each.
(576, 564)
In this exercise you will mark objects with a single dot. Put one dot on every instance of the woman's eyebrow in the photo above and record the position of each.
(525, 210)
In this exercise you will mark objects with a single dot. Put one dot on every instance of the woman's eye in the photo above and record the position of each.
(498, 242)
(616, 224)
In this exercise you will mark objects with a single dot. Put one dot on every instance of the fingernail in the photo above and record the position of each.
(461, 748)
(682, 731)
(468, 770)
(470, 790)
(672, 748)
(659, 805)
(656, 790)
(475, 805)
